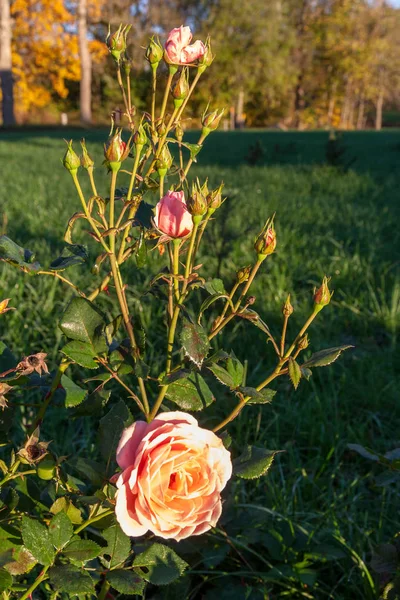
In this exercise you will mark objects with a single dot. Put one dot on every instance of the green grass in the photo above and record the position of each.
(329, 221)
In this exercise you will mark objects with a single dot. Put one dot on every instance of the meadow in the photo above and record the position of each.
(308, 529)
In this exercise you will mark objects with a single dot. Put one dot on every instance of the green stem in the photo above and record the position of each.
(42, 577)
(175, 266)
(114, 174)
(64, 279)
(87, 213)
(186, 100)
(153, 96)
(166, 93)
(134, 207)
(190, 162)
(162, 186)
(92, 183)
(104, 590)
(229, 301)
(91, 520)
(121, 85)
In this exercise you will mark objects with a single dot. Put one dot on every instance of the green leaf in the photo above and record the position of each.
(235, 370)
(74, 394)
(82, 321)
(72, 254)
(306, 372)
(294, 372)
(141, 251)
(17, 256)
(253, 462)
(263, 397)
(194, 150)
(92, 470)
(254, 317)
(194, 340)
(6, 580)
(215, 286)
(71, 580)
(81, 353)
(222, 375)
(209, 301)
(118, 546)
(7, 359)
(65, 505)
(93, 403)
(126, 582)
(23, 562)
(111, 427)
(162, 564)
(190, 393)
(60, 530)
(365, 452)
(325, 357)
(80, 551)
(37, 540)
(385, 559)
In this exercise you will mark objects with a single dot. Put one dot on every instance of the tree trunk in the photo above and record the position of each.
(86, 65)
(360, 116)
(5, 64)
(379, 108)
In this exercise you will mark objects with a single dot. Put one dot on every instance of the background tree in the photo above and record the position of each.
(6, 76)
(86, 65)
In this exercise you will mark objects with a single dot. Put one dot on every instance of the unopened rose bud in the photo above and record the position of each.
(161, 128)
(179, 132)
(210, 121)
(86, 161)
(304, 342)
(287, 309)
(164, 161)
(71, 160)
(243, 274)
(250, 300)
(207, 58)
(214, 199)
(322, 296)
(115, 151)
(116, 42)
(140, 137)
(265, 244)
(154, 52)
(181, 89)
(197, 203)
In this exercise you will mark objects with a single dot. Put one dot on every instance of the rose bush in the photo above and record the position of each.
(172, 478)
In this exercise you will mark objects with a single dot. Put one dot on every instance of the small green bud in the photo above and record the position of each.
(71, 160)
(181, 89)
(197, 203)
(214, 199)
(304, 342)
(287, 309)
(161, 128)
(265, 243)
(140, 137)
(179, 132)
(154, 52)
(207, 58)
(322, 295)
(86, 160)
(210, 121)
(243, 274)
(116, 42)
(164, 161)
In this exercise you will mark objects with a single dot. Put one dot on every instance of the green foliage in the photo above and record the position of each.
(194, 342)
(126, 582)
(253, 462)
(15, 255)
(111, 427)
(71, 580)
(37, 540)
(159, 564)
(190, 392)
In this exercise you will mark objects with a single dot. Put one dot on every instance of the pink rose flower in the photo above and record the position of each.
(177, 48)
(172, 216)
(173, 474)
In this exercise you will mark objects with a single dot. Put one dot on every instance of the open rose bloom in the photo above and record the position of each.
(173, 474)
(172, 216)
(178, 50)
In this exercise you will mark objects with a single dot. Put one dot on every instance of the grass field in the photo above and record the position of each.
(339, 222)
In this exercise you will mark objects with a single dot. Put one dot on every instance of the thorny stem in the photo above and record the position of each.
(283, 338)
(42, 577)
(133, 208)
(91, 520)
(123, 384)
(64, 279)
(100, 288)
(87, 213)
(121, 85)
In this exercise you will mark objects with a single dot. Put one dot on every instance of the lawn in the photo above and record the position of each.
(307, 529)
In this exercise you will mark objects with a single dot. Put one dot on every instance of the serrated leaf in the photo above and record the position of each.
(253, 462)
(6, 580)
(80, 551)
(195, 343)
(36, 539)
(209, 301)
(92, 470)
(81, 353)
(126, 582)
(190, 393)
(63, 504)
(23, 562)
(60, 530)
(21, 257)
(118, 545)
(325, 357)
(162, 564)
(72, 254)
(82, 321)
(74, 394)
(235, 370)
(215, 286)
(93, 403)
(222, 375)
(71, 580)
(294, 372)
(111, 427)
(141, 251)
(263, 397)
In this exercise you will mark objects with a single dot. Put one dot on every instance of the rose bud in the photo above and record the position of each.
(181, 89)
(164, 161)
(116, 43)
(161, 128)
(287, 309)
(154, 52)
(140, 137)
(179, 132)
(210, 121)
(172, 216)
(173, 472)
(304, 342)
(197, 203)
(322, 296)
(177, 48)
(86, 161)
(115, 151)
(265, 244)
(71, 160)
(214, 199)
(243, 274)
(207, 58)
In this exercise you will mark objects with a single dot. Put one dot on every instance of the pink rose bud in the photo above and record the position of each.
(265, 244)
(172, 216)
(177, 48)
(207, 58)
(173, 472)
(116, 42)
(115, 150)
(322, 296)
(181, 89)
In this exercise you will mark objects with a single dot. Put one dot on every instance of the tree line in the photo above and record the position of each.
(285, 63)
